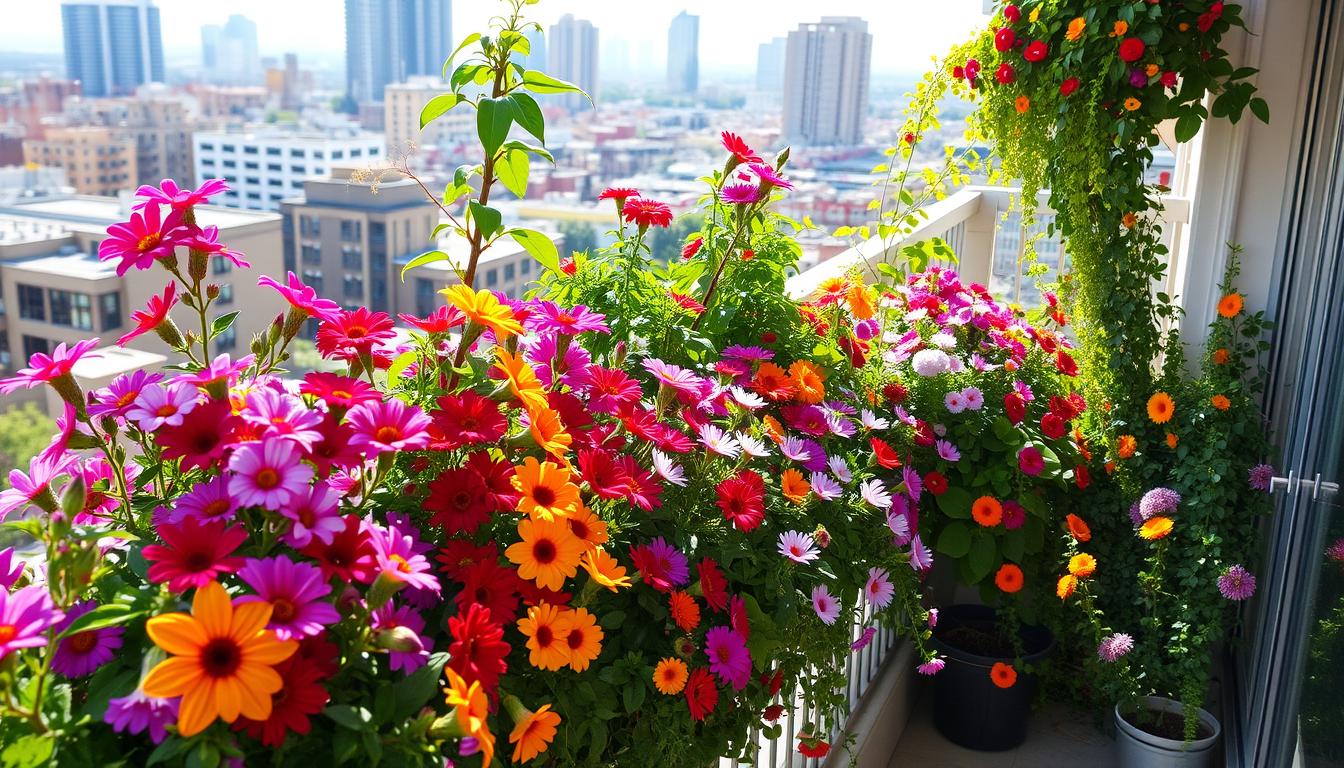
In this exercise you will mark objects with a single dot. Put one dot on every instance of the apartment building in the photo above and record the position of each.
(97, 160)
(267, 165)
(160, 125)
(402, 103)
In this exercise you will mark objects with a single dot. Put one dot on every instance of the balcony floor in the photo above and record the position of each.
(1060, 737)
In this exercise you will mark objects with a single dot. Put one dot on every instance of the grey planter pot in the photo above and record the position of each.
(1136, 748)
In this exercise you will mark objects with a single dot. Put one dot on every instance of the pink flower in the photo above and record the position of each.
(948, 451)
(282, 415)
(302, 297)
(207, 240)
(268, 474)
(168, 193)
(675, 376)
(864, 639)
(316, 515)
(1236, 583)
(738, 148)
(117, 397)
(798, 547)
(879, 589)
(220, 369)
(27, 488)
(43, 368)
(163, 404)
(193, 553)
(728, 657)
(826, 607)
(550, 318)
(399, 560)
(769, 177)
(415, 654)
(294, 591)
(154, 313)
(1030, 461)
(206, 501)
(1014, 515)
(740, 194)
(25, 616)
(389, 425)
(931, 667)
(146, 237)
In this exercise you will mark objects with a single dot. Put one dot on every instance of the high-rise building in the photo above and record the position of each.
(387, 41)
(826, 73)
(683, 54)
(229, 52)
(266, 165)
(112, 46)
(572, 55)
(770, 65)
(159, 124)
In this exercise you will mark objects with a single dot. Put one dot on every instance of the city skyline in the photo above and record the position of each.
(904, 38)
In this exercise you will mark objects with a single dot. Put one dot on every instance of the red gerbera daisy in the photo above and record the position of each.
(349, 556)
(194, 553)
(619, 194)
(609, 389)
(441, 320)
(458, 500)
(202, 437)
(642, 488)
(299, 696)
(535, 595)
(598, 468)
(713, 586)
(737, 617)
(884, 454)
(336, 447)
(459, 555)
(154, 313)
(742, 499)
(701, 694)
(647, 213)
(465, 419)
(738, 148)
(478, 649)
(687, 303)
(498, 479)
(936, 483)
(490, 584)
(352, 333)
(341, 393)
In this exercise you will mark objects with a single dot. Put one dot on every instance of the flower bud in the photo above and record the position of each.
(446, 727)
(212, 291)
(170, 333)
(198, 263)
(782, 158)
(399, 639)
(73, 498)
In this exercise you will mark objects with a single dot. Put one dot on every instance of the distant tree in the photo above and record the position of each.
(24, 431)
(666, 244)
(579, 235)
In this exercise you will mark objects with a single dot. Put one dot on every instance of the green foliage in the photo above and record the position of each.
(24, 431)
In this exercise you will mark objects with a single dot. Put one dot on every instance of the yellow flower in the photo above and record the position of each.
(584, 639)
(1082, 565)
(809, 380)
(1076, 29)
(549, 432)
(604, 569)
(548, 553)
(1035, 15)
(471, 707)
(547, 492)
(1155, 528)
(1120, 28)
(1064, 588)
(1132, 104)
(670, 676)
(482, 308)
(547, 630)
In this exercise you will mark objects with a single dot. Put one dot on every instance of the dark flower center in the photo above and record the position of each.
(267, 479)
(198, 561)
(575, 639)
(544, 637)
(544, 551)
(543, 496)
(387, 434)
(282, 610)
(221, 657)
(82, 642)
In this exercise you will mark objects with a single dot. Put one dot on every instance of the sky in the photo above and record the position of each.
(906, 33)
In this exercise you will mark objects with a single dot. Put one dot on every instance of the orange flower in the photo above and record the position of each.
(584, 639)
(1064, 588)
(1172, 439)
(1078, 528)
(860, 301)
(1009, 578)
(587, 527)
(1155, 528)
(1220, 402)
(604, 569)
(670, 676)
(1126, 446)
(1160, 408)
(546, 627)
(1221, 356)
(521, 380)
(1003, 675)
(685, 611)
(532, 732)
(773, 429)
(987, 511)
(772, 382)
(808, 380)
(1132, 104)
(794, 486)
(1120, 28)
(549, 432)
(1230, 305)
(1151, 69)
(471, 707)
(1082, 565)
(1183, 26)
(1022, 104)
(548, 553)
(1076, 29)
(831, 290)
(1129, 219)
(546, 490)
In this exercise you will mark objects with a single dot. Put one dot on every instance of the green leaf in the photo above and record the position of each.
(400, 364)
(632, 695)
(222, 324)
(170, 748)
(530, 149)
(414, 690)
(494, 117)
(468, 40)
(982, 556)
(1187, 125)
(109, 615)
(540, 245)
(540, 82)
(29, 751)
(528, 115)
(421, 260)
(955, 502)
(438, 106)
(512, 170)
(1260, 109)
(354, 718)
(487, 219)
(955, 540)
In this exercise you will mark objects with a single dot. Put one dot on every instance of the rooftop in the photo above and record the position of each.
(83, 266)
(88, 212)
(22, 229)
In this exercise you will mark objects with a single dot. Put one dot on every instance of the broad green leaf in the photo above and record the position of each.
(955, 502)
(438, 106)
(512, 169)
(982, 556)
(400, 364)
(539, 82)
(1260, 109)
(222, 324)
(540, 245)
(528, 115)
(531, 149)
(354, 718)
(493, 119)
(109, 615)
(422, 259)
(955, 540)
(487, 219)
(468, 40)
(413, 691)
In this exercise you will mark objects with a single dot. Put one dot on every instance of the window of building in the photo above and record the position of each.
(31, 303)
(350, 229)
(252, 180)
(226, 293)
(221, 266)
(356, 152)
(491, 278)
(273, 182)
(297, 169)
(311, 254)
(337, 154)
(227, 340)
(74, 310)
(33, 345)
(6, 360)
(249, 150)
(526, 267)
(352, 258)
(319, 154)
(310, 226)
(313, 279)
(508, 273)
(252, 165)
(424, 296)
(253, 195)
(208, 163)
(109, 304)
(207, 147)
(230, 163)
(296, 153)
(275, 167)
(354, 287)
(229, 148)
(273, 151)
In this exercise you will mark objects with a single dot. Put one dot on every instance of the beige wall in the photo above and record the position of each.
(96, 161)
(401, 120)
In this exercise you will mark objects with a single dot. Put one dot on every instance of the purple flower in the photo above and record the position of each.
(863, 639)
(208, 500)
(547, 318)
(676, 568)
(80, 654)
(826, 607)
(769, 177)
(900, 527)
(400, 560)
(25, 616)
(867, 329)
(161, 405)
(824, 487)
(1158, 501)
(1236, 583)
(798, 547)
(1260, 477)
(137, 713)
(24, 489)
(268, 474)
(1134, 515)
(1024, 390)
(879, 589)
(1114, 646)
(750, 354)
(740, 194)
(728, 657)
(1137, 78)
(674, 376)
(948, 451)
(1336, 551)
(408, 649)
(793, 449)
(816, 460)
(838, 467)
(295, 592)
(11, 568)
(931, 667)
(921, 559)
(933, 618)
(973, 398)
(1014, 515)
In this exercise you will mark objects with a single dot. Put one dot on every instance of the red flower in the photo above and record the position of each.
(465, 419)
(1012, 13)
(742, 499)
(339, 392)
(769, 337)
(1036, 51)
(738, 148)
(1005, 74)
(299, 696)
(348, 557)
(1016, 406)
(641, 488)
(598, 468)
(459, 555)
(813, 747)
(647, 213)
(1004, 39)
(351, 333)
(1064, 364)
(478, 649)
(1062, 407)
(972, 70)
(772, 713)
(1076, 400)
(895, 393)
(441, 320)
(689, 250)
(701, 694)
(202, 437)
(1052, 426)
(935, 483)
(155, 312)
(1081, 476)
(337, 447)
(884, 454)
(924, 436)
(686, 302)
(713, 587)
(193, 553)
(568, 266)
(737, 617)
(1168, 79)
(1131, 49)
(498, 479)
(491, 585)
(1068, 87)
(458, 500)
(619, 194)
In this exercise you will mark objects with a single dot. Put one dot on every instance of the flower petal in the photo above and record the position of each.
(256, 703)
(172, 677)
(177, 633)
(266, 649)
(212, 609)
(228, 697)
(197, 710)
(260, 678)
(248, 620)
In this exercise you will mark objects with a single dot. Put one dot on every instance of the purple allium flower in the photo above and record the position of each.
(1158, 501)
(411, 649)
(947, 451)
(1236, 583)
(1134, 515)
(137, 713)
(930, 362)
(25, 616)
(728, 656)
(1114, 646)
(824, 487)
(863, 639)
(797, 546)
(1260, 477)
(294, 591)
(268, 474)
(879, 589)
(83, 652)
(740, 194)
(826, 606)
(931, 667)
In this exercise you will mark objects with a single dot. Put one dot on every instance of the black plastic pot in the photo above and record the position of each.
(968, 708)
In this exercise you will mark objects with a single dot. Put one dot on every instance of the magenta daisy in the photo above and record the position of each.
(118, 396)
(338, 391)
(193, 553)
(1236, 583)
(825, 605)
(222, 368)
(661, 565)
(390, 425)
(798, 547)
(45, 369)
(1336, 551)
(207, 500)
(168, 193)
(137, 713)
(315, 512)
(547, 317)
(863, 639)
(161, 405)
(728, 657)
(302, 297)
(931, 667)
(770, 177)
(879, 588)
(608, 389)
(11, 568)
(399, 560)
(294, 591)
(34, 487)
(750, 354)
(81, 653)
(147, 236)
(674, 376)
(740, 194)
(25, 616)
(206, 240)
(1113, 646)
(282, 415)
(268, 474)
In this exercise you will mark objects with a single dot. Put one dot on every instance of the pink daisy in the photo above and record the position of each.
(798, 547)
(740, 194)
(879, 588)
(207, 241)
(302, 297)
(728, 657)
(146, 237)
(168, 193)
(398, 559)
(25, 616)
(826, 606)
(43, 368)
(769, 177)
(118, 396)
(268, 474)
(547, 317)
(206, 501)
(315, 513)
(161, 405)
(390, 425)
(294, 591)
(25, 489)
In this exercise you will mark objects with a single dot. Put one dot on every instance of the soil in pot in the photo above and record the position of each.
(1168, 725)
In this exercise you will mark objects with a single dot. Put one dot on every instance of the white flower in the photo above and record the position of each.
(930, 362)
(839, 469)
(871, 420)
(943, 340)
(752, 446)
(668, 469)
(747, 399)
(718, 441)
(874, 494)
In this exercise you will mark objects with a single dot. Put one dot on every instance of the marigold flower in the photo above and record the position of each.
(1155, 528)
(773, 382)
(547, 492)
(521, 380)
(1221, 356)
(1125, 446)
(584, 639)
(1230, 305)
(685, 611)
(987, 511)
(794, 487)
(471, 706)
(669, 677)
(1078, 528)
(1160, 408)
(1009, 578)
(1003, 675)
(1120, 28)
(1129, 219)
(547, 629)
(1082, 565)
(1065, 586)
(484, 308)
(860, 300)
(808, 380)
(1076, 29)
(548, 553)
(1220, 402)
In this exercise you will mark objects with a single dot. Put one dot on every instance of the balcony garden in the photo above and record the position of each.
(671, 513)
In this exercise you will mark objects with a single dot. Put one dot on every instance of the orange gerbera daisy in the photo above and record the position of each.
(1065, 586)
(1009, 579)
(1022, 104)
(809, 380)
(1078, 528)
(549, 432)
(860, 301)
(831, 290)
(471, 707)
(670, 675)
(1161, 407)
(482, 308)
(1172, 439)
(547, 629)
(1082, 565)
(1221, 356)
(773, 429)
(548, 553)
(221, 660)
(587, 527)
(1230, 305)
(1132, 104)
(1076, 29)
(685, 611)
(1126, 446)
(584, 639)
(547, 492)
(1220, 402)
(521, 380)
(532, 732)
(794, 486)
(1003, 675)
(604, 569)
(987, 511)
(1155, 528)
(773, 382)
